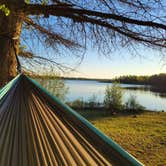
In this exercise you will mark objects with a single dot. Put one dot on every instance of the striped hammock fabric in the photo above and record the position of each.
(37, 129)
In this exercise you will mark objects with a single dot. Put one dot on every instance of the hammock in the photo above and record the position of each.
(37, 129)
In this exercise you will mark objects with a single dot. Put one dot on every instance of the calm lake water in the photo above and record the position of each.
(83, 89)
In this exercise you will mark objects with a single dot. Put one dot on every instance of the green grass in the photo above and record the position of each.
(144, 136)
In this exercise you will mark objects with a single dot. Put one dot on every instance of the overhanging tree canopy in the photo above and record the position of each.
(70, 25)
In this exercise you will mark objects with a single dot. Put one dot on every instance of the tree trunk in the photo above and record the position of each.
(10, 29)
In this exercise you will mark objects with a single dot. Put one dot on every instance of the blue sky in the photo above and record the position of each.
(119, 63)
(97, 66)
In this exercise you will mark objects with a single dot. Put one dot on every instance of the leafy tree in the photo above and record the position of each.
(70, 25)
(113, 97)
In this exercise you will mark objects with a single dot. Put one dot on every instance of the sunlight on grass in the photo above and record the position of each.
(144, 136)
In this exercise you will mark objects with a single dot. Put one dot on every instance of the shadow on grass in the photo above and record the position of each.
(97, 114)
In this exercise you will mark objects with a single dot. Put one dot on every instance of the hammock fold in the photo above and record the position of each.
(37, 129)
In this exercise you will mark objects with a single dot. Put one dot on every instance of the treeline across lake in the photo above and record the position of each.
(158, 80)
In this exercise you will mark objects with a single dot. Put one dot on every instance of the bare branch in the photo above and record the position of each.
(65, 11)
(26, 54)
(54, 36)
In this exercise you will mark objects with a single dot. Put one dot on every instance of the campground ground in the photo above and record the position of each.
(143, 135)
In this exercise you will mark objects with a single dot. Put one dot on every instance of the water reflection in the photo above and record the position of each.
(154, 91)
(146, 96)
(80, 89)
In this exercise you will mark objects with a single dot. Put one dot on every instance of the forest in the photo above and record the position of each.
(157, 80)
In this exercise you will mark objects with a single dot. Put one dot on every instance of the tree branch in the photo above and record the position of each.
(65, 11)
(57, 37)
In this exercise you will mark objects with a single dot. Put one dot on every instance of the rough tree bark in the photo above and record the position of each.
(10, 29)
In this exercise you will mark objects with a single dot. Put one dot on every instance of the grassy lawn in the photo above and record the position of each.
(144, 136)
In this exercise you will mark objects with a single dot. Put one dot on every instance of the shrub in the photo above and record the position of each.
(79, 103)
(92, 102)
(113, 97)
(132, 104)
(55, 86)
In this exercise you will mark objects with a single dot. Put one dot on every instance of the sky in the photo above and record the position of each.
(118, 64)
(96, 66)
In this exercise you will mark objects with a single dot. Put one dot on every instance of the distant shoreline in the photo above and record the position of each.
(156, 82)
(69, 78)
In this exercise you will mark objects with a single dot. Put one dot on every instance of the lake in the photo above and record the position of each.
(84, 89)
